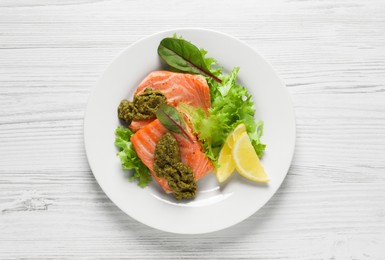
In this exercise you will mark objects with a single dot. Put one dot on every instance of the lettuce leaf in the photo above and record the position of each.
(231, 105)
(129, 158)
(184, 56)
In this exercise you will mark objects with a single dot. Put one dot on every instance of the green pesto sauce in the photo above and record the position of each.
(143, 107)
(168, 165)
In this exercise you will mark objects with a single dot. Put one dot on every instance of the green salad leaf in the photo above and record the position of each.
(172, 120)
(184, 56)
(231, 105)
(129, 158)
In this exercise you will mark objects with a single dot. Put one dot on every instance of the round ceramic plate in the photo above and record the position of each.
(216, 206)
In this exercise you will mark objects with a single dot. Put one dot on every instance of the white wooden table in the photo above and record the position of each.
(331, 55)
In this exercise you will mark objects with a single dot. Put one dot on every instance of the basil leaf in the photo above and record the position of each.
(184, 56)
(172, 120)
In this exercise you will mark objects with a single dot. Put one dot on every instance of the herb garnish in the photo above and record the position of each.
(172, 120)
(184, 56)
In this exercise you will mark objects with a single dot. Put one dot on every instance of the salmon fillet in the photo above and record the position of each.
(138, 124)
(145, 140)
(177, 87)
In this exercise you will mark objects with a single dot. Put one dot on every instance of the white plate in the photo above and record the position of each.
(216, 206)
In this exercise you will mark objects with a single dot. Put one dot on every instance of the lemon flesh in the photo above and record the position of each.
(246, 160)
(234, 135)
(225, 159)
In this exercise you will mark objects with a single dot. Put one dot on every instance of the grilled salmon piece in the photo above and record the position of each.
(145, 140)
(177, 87)
(139, 124)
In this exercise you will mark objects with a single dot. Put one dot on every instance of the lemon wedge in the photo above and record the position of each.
(246, 160)
(225, 159)
(234, 136)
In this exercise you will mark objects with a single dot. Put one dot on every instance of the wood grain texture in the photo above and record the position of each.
(331, 55)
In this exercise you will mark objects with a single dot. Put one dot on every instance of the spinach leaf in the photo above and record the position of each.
(172, 120)
(184, 56)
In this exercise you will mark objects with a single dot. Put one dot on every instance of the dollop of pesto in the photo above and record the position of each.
(126, 110)
(144, 106)
(168, 165)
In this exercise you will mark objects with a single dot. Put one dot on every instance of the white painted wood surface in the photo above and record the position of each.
(331, 54)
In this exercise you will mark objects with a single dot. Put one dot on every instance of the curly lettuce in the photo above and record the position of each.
(231, 105)
(129, 158)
